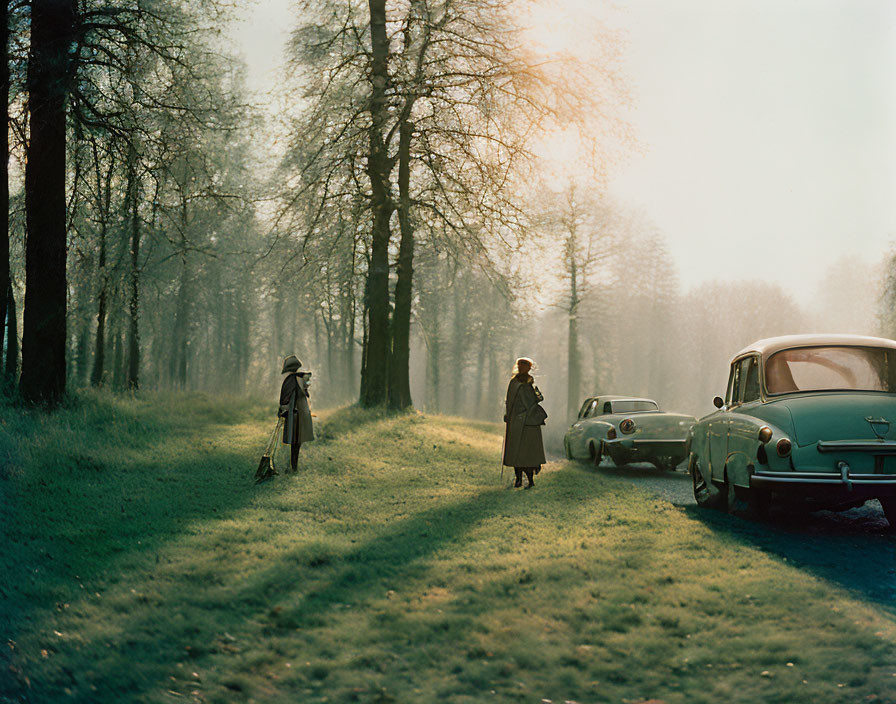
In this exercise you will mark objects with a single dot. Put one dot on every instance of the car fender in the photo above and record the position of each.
(744, 449)
(596, 433)
(698, 447)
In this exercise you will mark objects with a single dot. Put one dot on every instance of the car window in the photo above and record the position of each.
(831, 368)
(584, 408)
(733, 382)
(591, 409)
(634, 406)
(608, 408)
(751, 380)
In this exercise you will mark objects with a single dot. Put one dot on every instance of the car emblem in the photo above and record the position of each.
(880, 426)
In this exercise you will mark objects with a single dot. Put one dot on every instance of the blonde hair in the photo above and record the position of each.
(516, 365)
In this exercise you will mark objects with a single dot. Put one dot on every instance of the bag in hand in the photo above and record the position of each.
(536, 415)
(265, 470)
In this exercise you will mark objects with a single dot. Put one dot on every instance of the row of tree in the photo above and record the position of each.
(151, 250)
(138, 214)
(405, 243)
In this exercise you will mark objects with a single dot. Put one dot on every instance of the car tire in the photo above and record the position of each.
(599, 454)
(889, 507)
(566, 449)
(705, 493)
(595, 453)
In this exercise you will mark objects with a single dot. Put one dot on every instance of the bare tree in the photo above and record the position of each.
(453, 98)
(586, 227)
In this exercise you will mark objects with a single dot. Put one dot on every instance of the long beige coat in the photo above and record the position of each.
(294, 406)
(523, 446)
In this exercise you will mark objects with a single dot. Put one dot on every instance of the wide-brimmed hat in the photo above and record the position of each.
(291, 364)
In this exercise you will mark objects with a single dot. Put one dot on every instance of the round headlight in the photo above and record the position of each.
(783, 447)
(627, 426)
(611, 434)
(765, 434)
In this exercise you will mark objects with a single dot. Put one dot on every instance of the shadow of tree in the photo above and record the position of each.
(395, 555)
(183, 626)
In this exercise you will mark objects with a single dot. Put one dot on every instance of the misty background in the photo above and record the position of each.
(685, 179)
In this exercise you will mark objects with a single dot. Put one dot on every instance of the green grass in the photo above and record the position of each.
(139, 563)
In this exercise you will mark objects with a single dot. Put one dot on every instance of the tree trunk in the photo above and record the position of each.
(350, 378)
(431, 303)
(82, 355)
(573, 363)
(4, 177)
(365, 326)
(378, 169)
(104, 187)
(12, 340)
(494, 385)
(480, 373)
(399, 376)
(181, 344)
(118, 373)
(458, 347)
(133, 197)
(99, 355)
(44, 338)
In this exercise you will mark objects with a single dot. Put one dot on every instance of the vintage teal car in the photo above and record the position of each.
(628, 430)
(807, 420)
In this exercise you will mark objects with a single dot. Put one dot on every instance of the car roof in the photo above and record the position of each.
(770, 345)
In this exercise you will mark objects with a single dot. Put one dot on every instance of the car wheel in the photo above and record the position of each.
(889, 507)
(706, 495)
(594, 453)
(598, 454)
(566, 449)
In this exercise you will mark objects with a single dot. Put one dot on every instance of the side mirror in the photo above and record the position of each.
(718, 402)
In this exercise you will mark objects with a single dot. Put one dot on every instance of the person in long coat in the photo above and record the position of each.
(523, 444)
(294, 408)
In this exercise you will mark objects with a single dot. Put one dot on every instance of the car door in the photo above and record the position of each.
(717, 428)
(576, 434)
(742, 427)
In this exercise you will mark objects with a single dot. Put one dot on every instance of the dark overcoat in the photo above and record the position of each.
(294, 407)
(523, 445)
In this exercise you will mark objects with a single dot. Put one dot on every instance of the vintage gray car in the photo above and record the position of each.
(808, 420)
(628, 430)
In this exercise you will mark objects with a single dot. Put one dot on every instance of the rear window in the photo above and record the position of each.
(634, 406)
(831, 369)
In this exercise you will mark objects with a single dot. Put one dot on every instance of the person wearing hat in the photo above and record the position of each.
(294, 408)
(524, 416)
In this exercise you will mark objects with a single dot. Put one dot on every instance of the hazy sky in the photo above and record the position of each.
(768, 126)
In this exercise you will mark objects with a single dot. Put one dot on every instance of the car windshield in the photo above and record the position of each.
(633, 406)
(830, 369)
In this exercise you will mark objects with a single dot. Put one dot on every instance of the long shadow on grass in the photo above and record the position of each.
(856, 554)
(396, 556)
(389, 560)
(70, 518)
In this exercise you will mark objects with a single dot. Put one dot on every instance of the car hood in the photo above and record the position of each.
(840, 416)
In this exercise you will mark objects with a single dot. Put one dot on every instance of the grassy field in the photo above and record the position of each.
(138, 562)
